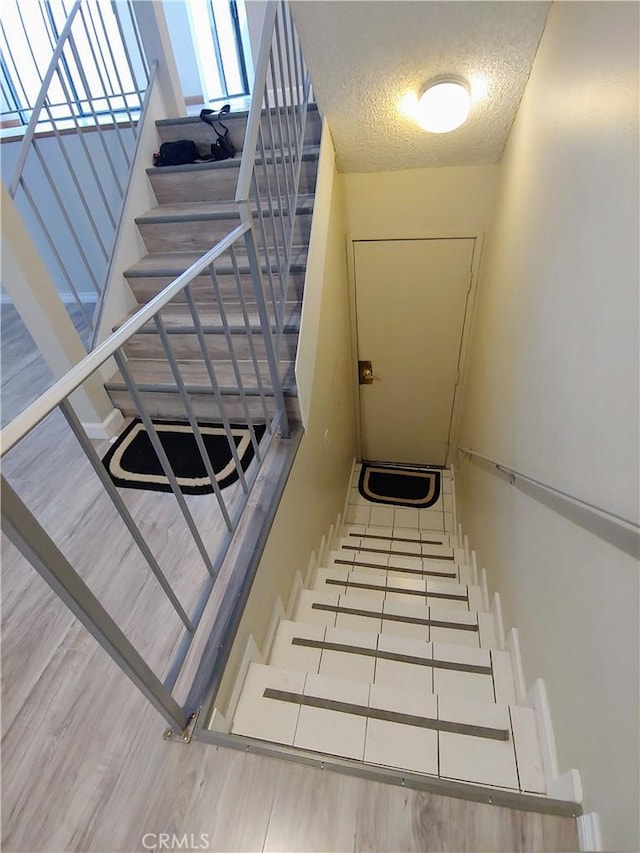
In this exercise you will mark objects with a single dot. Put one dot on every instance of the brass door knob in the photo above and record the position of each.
(365, 373)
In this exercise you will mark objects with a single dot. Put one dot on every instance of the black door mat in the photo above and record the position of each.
(399, 486)
(132, 462)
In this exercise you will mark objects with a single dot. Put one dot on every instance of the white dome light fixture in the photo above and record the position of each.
(444, 104)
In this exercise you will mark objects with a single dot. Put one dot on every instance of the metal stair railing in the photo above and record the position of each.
(267, 192)
(71, 184)
(21, 525)
(31, 539)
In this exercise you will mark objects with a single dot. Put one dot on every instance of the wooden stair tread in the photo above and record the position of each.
(175, 263)
(309, 153)
(205, 210)
(177, 318)
(235, 113)
(157, 372)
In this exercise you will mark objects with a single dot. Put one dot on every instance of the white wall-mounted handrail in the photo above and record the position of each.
(47, 402)
(603, 512)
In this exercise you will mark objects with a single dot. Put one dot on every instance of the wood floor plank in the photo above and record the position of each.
(313, 810)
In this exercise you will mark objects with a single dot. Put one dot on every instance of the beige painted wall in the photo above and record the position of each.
(317, 486)
(447, 202)
(553, 391)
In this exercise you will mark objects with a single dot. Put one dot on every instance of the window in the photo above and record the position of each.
(216, 29)
(101, 69)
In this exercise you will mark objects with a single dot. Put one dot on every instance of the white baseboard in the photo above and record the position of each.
(496, 609)
(312, 565)
(485, 589)
(277, 613)
(322, 550)
(218, 723)
(331, 541)
(513, 647)
(565, 787)
(346, 500)
(537, 699)
(453, 494)
(474, 565)
(589, 834)
(296, 588)
(108, 429)
(251, 655)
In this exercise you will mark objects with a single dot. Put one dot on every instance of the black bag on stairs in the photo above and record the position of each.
(223, 148)
(176, 153)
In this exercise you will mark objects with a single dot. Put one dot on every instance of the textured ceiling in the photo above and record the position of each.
(365, 56)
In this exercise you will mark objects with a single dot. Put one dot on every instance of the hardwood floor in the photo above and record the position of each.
(25, 374)
(84, 765)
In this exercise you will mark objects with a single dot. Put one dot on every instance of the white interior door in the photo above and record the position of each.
(411, 298)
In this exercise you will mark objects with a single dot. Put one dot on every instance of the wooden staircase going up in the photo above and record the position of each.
(196, 209)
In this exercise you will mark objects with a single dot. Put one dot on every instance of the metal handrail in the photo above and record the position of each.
(518, 475)
(250, 144)
(282, 103)
(27, 420)
(42, 97)
(71, 200)
(38, 547)
(24, 529)
(97, 319)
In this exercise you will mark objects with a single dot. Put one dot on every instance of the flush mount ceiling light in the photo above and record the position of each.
(444, 104)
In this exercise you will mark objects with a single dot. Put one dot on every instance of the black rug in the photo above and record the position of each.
(399, 486)
(132, 462)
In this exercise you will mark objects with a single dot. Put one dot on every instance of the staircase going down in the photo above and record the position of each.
(391, 654)
(195, 210)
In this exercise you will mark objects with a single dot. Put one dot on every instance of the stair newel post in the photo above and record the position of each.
(270, 349)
